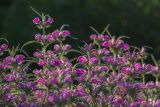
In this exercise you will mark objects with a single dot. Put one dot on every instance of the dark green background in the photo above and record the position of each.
(139, 19)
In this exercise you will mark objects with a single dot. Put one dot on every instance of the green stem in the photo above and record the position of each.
(157, 80)
(143, 77)
(99, 48)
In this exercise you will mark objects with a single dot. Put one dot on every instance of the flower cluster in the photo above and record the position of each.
(108, 73)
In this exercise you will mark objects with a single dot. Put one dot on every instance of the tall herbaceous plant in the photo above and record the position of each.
(108, 72)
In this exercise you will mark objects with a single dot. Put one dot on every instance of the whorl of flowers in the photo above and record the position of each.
(108, 73)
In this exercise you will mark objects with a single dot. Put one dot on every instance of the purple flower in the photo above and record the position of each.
(51, 38)
(53, 81)
(125, 46)
(93, 37)
(66, 47)
(6, 97)
(150, 85)
(37, 54)
(100, 37)
(4, 66)
(82, 59)
(135, 104)
(21, 85)
(32, 104)
(41, 81)
(126, 69)
(9, 77)
(68, 79)
(42, 63)
(151, 68)
(106, 44)
(6, 88)
(65, 33)
(23, 97)
(157, 104)
(65, 94)
(8, 59)
(36, 71)
(106, 37)
(56, 62)
(57, 47)
(80, 71)
(49, 53)
(79, 92)
(20, 59)
(81, 79)
(95, 80)
(4, 47)
(138, 67)
(110, 60)
(117, 101)
(94, 60)
(36, 21)
(55, 33)
(52, 98)
(50, 20)
(88, 46)
(104, 68)
(139, 86)
(38, 37)
(104, 51)
(31, 85)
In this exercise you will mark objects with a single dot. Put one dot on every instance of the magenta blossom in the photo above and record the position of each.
(36, 21)
(82, 59)
(9, 77)
(50, 20)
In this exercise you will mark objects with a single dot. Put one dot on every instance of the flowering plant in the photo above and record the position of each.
(109, 72)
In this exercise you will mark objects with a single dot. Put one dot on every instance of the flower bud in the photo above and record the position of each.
(36, 21)
(9, 77)
(56, 47)
(68, 79)
(20, 59)
(4, 47)
(106, 44)
(50, 20)
(37, 55)
(94, 60)
(38, 37)
(42, 63)
(82, 59)
(65, 33)
(8, 59)
(93, 37)
(66, 47)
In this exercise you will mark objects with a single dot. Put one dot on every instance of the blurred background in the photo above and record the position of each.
(138, 19)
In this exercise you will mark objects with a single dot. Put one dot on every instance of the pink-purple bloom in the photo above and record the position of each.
(50, 20)
(36, 21)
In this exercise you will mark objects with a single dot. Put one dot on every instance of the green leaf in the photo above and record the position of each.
(73, 37)
(26, 64)
(95, 30)
(106, 29)
(62, 27)
(29, 42)
(36, 11)
(4, 39)
(84, 102)
(73, 50)
(73, 59)
(154, 60)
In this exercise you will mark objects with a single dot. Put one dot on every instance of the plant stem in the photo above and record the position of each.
(143, 77)
(157, 80)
